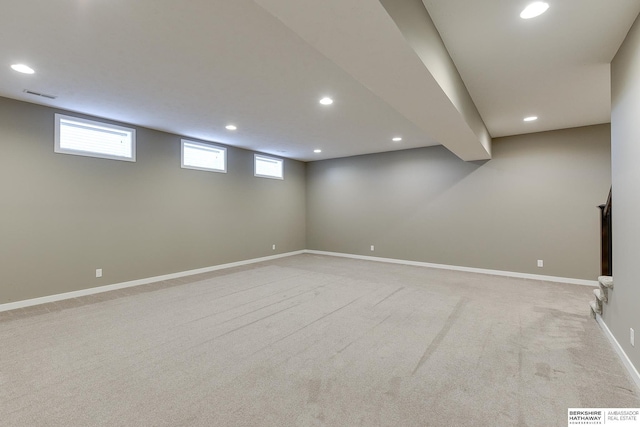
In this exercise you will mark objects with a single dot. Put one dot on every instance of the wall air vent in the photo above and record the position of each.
(44, 95)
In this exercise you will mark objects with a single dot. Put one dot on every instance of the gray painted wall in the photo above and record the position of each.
(63, 216)
(536, 199)
(622, 311)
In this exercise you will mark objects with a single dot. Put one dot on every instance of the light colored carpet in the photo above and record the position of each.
(311, 341)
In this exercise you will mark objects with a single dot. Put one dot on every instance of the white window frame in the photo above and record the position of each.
(262, 157)
(59, 148)
(203, 146)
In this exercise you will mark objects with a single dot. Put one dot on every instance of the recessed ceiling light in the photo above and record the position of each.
(317, 151)
(534, 9)
(530, 118)
(396, 139)
(230, 127)
(21, 68)
(326, 101)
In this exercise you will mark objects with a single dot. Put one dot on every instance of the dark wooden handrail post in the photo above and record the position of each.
(606, 239)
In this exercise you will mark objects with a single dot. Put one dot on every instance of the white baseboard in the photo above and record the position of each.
(633, 372)
(107, 288)
(458, 268)
(83, 292)
(621, 353)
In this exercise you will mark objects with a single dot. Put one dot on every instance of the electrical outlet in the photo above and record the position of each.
(540, 263)
(273, 247)
(98, 272)
(372, 248)
(631, 337)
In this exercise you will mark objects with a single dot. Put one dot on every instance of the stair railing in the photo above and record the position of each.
(606, 241)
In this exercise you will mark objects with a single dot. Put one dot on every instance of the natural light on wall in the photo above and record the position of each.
(196, 155)
(268, 167)
(94, 139)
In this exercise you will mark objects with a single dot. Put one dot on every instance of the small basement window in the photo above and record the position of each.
(200, 156)
(268, 167)
(84, 137)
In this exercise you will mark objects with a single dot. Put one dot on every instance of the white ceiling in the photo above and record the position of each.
(192, 67)
(555, 66)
